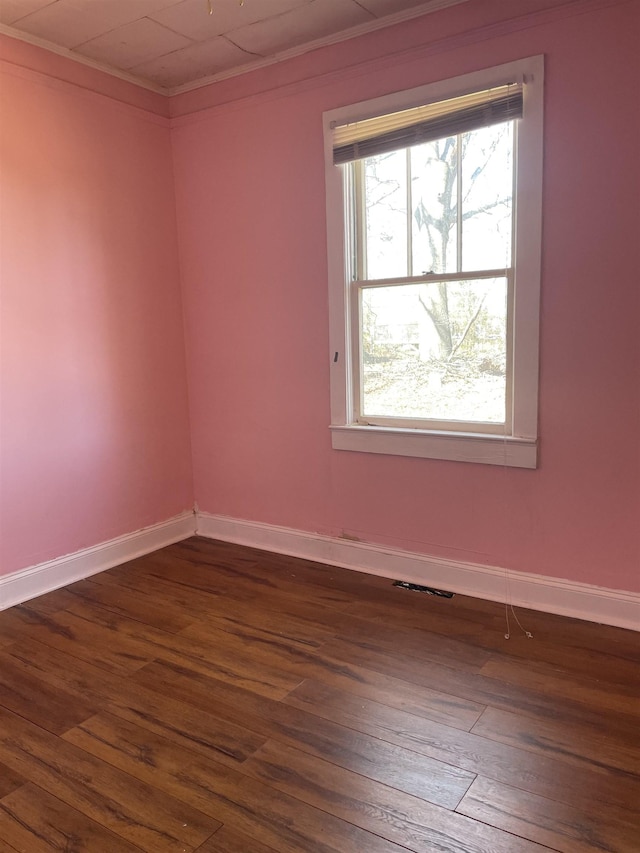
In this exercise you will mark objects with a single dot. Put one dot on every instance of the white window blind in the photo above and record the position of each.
(395, 131)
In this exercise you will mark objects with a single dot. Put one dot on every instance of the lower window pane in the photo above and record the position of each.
(435, 350)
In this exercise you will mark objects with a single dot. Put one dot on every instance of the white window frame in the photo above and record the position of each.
(519, 446)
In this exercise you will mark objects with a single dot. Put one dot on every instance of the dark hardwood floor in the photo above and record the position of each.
(217, 698)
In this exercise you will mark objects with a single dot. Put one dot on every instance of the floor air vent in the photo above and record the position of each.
(415, 587)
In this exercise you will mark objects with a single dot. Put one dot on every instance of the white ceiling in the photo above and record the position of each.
(176, 43)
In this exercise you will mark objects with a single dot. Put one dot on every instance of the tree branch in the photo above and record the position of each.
(468, 326)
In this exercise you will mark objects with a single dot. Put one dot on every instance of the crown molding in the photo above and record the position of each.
(344, 35)
(49, 46)
(564, 7)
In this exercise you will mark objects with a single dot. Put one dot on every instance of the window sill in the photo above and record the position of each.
(461, 447)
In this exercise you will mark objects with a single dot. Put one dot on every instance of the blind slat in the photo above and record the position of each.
(426, 124)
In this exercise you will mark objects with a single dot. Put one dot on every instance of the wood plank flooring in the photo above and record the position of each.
(220, 699)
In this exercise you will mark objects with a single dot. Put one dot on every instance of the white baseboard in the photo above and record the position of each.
(552, 595)
(36, 580)
(564, 597)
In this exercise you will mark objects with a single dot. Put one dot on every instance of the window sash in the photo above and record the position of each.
(432, 424)
(355, 209)
(357, 278)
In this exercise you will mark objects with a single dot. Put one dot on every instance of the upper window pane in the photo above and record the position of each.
(487, 194)
(434, 191)
(385, 200)
(440, 207)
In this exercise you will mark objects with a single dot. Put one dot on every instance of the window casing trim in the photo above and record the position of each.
(518, 446)
(456, 447)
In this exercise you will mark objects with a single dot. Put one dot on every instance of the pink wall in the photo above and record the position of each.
(94, 437)
(94, 420)
(251, 217)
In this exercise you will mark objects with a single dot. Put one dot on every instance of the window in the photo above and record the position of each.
(433, 219)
